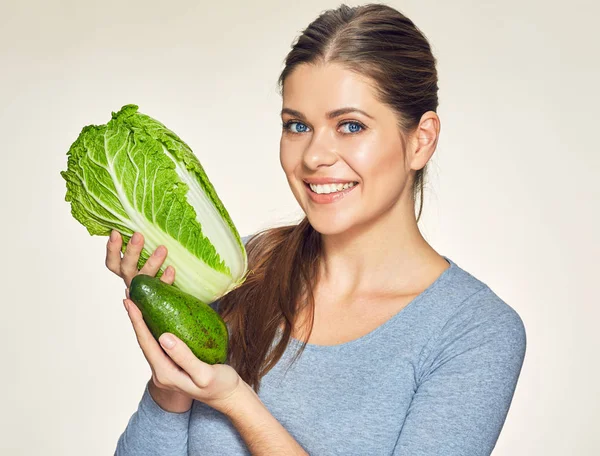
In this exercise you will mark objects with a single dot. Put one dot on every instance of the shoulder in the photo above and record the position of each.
(480, 304)
(488, 315)
(472, 317)
(465, 298)
(460, 299)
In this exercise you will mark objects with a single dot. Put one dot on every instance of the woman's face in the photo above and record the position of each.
(363, 147)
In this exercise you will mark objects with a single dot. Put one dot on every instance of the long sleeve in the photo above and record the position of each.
(466, 381)
(154, 431)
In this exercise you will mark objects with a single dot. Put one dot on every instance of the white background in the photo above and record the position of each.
(513, 193)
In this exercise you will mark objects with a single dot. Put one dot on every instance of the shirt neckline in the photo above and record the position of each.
(436, 283)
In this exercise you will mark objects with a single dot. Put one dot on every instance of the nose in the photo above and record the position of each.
(321, 151)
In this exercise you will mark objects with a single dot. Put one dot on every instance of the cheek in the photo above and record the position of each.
(287, 157)
(381, 166)
(375, 158)
(289, 164)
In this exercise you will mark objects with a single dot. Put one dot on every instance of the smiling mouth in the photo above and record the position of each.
(327, 189)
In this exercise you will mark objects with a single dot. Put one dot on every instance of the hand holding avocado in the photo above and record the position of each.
(166, 309)
(157, 310)
(178, 369)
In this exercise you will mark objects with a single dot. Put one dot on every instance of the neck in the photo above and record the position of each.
(388, 255)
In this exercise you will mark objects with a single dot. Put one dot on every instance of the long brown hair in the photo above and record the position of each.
(376, 41)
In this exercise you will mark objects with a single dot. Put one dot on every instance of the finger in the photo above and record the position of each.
(113, 252)
(169, 275)
(155, 261)
(155, 356)
(201, 373)
(131, 257)
(152, 351)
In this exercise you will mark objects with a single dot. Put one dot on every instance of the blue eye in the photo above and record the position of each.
(300, 127)
(353, 127)
(295, 127)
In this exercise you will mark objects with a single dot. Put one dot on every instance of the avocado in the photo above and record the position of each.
(166, 308)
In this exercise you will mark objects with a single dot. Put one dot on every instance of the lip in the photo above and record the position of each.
(326, 198)
(326, 180)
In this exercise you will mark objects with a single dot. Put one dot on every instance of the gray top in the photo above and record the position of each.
(436, 379)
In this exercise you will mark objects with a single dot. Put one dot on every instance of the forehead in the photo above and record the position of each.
(325, 87)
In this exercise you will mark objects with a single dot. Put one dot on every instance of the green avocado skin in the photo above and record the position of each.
(166, 308)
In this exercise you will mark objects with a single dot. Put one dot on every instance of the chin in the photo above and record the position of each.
(329, 224)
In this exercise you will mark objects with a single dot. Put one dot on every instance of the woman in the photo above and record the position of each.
(352, 336)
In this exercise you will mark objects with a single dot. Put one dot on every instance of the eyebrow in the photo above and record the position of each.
(330, 115)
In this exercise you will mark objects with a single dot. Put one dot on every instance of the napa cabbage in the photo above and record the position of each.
(134, 174)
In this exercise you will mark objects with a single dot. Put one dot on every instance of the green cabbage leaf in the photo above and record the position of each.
(134, 174)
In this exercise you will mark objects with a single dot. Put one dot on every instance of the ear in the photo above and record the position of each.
(424, 140)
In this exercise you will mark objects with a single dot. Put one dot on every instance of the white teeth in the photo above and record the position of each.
(331, 188)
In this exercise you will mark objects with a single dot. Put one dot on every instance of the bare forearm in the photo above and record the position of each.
(262, 433)
(171, 401)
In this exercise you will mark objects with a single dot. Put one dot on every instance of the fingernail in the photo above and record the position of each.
(125, 304)
(167, 341)
(113, 235)
(136, 238)
(160, 251)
